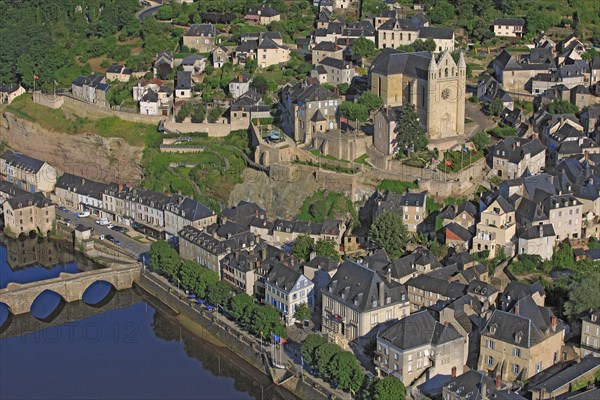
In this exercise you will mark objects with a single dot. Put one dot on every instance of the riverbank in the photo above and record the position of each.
(207, 326)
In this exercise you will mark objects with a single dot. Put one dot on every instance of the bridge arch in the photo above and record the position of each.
(47, 305)
(6, 316)
(98, 293)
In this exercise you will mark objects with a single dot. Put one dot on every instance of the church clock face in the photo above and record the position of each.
(446, 94)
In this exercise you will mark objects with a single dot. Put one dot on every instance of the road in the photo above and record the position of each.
(125, 241)
(148, 11)
(482, 121)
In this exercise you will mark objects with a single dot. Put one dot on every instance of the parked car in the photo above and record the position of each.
(110, 226)
(103, 221)
(83, 214)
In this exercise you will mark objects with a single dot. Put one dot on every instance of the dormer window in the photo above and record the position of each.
(492, 329)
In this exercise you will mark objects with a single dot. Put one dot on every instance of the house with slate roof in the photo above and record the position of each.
(433, 85)
(262, 15)
(427, 290)
(27, 173)
(200, 37)
(209, 249)
(286, 288)
(118, 72)
(308, 109)
(590, 333)
(79, 194)
(324, 50)
(91, 89)
(457, 237)
(8, 191)
(338, 71)
(248, 107)
(10, 92)
(420, 261)
(183, 85)
(509, 27)
(496, 227)
(182, 211)
(521, 341)
(442, 37)
(538, 240)
(26, 213)
(513, 156)
(418, 348)
(561, 383)
(476, 385)
(410, 206)
(358, 300)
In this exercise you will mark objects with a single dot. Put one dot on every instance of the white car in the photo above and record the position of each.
(83, 214)
(103, 221)
(110, 226)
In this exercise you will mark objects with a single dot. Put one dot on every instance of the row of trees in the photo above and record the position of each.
(260, 319)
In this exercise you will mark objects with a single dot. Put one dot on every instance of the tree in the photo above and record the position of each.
(251, 65)
(165, 259)
(303, 247)
(363, 47)
(562, 107)
(327, 248)
(214, 114)
(389, 388)
(265, 321)
(343, 87)
(310, 345)
(583, 296)
(495, 107)
(371, 101)
(191, 275)
(238, 305)
(372, 7)
(302, 312)
(208, 278)
(344, 369)
(354, 111)
(323, 356)
(389, 232)
(219, 294)
(198, 114)
(409, 132)
(481, 140)
(165, 12)
(442, 12)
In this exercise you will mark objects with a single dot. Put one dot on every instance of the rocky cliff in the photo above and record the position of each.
(88, 155)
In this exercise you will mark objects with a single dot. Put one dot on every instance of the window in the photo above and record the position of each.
(490, 361)
(517, 352)
(538, 367)
(491, 344)
(516, 369)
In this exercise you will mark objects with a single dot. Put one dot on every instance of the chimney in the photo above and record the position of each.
(541, 231)
(381, 290)
(554, 320)
(516, 309)
(587, 154)
(446, 325)
(453, 372)
(120, 187)
(263, 254)
(256, 213)
(498, 382)
(514, 146)
(389, 275)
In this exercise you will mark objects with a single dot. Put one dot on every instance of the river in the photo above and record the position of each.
(126, 347)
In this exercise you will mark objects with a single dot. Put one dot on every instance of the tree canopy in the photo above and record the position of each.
(583, 296)
(389, 388)
(303, 246)
(354, 111)
(409, 131)
(165, 259)
(310, 345)
(389, 232)
(363, 47)
(562, 107)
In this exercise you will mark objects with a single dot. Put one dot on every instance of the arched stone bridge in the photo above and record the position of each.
(20, 297)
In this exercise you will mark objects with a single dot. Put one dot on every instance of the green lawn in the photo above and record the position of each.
(136, 134)
(396, 186)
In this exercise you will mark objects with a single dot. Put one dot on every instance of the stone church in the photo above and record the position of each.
(435, 87)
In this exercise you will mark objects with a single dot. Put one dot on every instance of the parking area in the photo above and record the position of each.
(117, 234)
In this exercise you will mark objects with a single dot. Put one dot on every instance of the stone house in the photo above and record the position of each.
(31, 212)
(358, 300)
(476, 385)
(91, 89)
(79, 194)
(262, 15)
(118, 72)
(509, 27)
(286, 288)
(163, 58)
(496, 228)
(420, 261)
(561, 385)
(590, 334)
(538, 240)
(426, 291)
(565, 213)
(338, 71)
(182, 211)
(434, 87)
(248, 107)
(410, 206)
(200, 37)
(8, 191)
(465, 215)
(521, 342)
(208, 250)
(513, 156)
(183, 85)
(515, 76)
(418, 348)
(271, 53)
(326, 49)
(307, 109)
(220, 55)
(457, 237)
(27, 173)
(240, 85)
(194, 63)
(442, 37)
(396, 32)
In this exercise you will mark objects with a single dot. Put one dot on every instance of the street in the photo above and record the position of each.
(126, 242)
